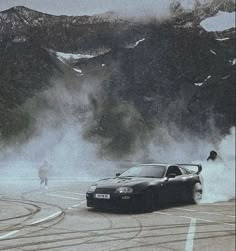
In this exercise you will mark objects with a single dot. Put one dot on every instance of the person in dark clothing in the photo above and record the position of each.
(212, 156)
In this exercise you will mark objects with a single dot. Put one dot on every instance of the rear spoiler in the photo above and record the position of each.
(199, 166)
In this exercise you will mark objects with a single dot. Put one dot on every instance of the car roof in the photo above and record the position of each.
(154, 164)
(160, 164)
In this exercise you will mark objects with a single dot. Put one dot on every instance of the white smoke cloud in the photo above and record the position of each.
(219, 176)
(59, 140)
(57, 137)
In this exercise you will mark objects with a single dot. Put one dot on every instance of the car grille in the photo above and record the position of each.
(105, 190)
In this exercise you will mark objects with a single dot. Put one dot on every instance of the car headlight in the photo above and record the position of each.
(124, 190)
(92, 189)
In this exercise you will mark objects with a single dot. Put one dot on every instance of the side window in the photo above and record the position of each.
(175, 170)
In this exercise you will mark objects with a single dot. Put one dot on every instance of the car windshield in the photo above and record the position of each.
(149, 171)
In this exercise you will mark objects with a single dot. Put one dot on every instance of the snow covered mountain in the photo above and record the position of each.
(177, 74)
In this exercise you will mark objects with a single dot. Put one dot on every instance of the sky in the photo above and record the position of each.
(90, 7)
(87, 7)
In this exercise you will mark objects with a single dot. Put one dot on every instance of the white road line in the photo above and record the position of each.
(46, 218)
(200, 219)
(77, 205)
(185, 209)
(203, 212)
(186, 217)
(161, 213)
(38, 221)
(82, 194)
(211, 213)
(190, 236)
(55, 195)
(8, 234)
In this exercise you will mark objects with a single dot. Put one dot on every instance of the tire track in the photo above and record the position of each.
(95, 239)
(57, 240)
(88, 240)
(28, 216)
(138, 232)
(23, 225)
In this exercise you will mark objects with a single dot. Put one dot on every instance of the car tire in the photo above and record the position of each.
(196, 196)
(149, 201)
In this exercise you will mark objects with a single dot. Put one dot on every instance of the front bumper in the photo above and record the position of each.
(116, 201)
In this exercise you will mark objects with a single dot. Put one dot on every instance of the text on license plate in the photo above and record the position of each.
(102, 196)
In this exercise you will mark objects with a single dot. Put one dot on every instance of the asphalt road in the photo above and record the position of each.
(58, 219)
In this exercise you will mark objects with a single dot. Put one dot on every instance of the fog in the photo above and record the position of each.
(219, 176)
(58, 138)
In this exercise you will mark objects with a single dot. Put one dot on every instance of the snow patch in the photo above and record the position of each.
(77, 70)
(136, 43)
(72, 56)
(222, 39)
(139, 41)
(233, 61)
(198, 84)
(207, 78)
(222, 21)
(204, 81)
(213, 52)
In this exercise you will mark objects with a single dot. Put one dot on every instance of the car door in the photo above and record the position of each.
(173, 186)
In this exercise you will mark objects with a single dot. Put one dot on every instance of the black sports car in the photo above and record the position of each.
(146, 186)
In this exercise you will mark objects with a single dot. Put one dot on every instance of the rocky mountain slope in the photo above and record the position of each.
(147, 78)
(66, 33)
(178, 78)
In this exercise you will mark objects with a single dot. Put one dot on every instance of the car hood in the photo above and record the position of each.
(125, 181)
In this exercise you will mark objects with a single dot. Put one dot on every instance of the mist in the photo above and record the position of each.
(58, 137)
(219, 176)
(64, 117)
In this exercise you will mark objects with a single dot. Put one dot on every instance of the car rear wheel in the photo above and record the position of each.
(196, 193)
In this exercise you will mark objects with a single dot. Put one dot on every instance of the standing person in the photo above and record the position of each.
(213, 156)
(43, 174)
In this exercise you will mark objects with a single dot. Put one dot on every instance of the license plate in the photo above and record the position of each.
(102, 196)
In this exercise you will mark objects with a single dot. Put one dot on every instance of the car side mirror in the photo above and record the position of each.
(117, 174)
(171, 175)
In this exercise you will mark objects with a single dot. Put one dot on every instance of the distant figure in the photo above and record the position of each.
(213, 156)
(43, 174)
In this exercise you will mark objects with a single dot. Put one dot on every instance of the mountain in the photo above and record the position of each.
(24, 71)
(142, 79)
(186, 85)
(67, 33)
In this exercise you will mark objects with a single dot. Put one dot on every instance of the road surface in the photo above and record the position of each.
(58, 219)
